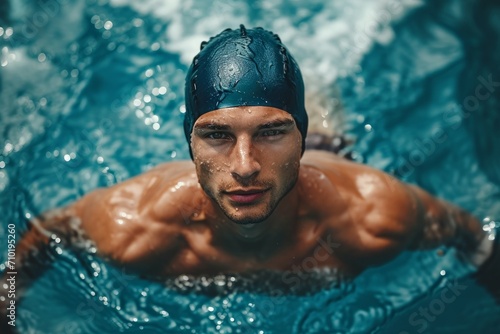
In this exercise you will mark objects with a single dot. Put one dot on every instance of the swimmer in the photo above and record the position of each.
(253, 198)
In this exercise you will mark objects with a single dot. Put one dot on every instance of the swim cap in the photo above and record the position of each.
(244, 68)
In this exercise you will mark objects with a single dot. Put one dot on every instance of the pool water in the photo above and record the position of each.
(92, 94)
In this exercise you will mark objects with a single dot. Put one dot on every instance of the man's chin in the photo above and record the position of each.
(245, 214)
(239, 218)
(247, 221)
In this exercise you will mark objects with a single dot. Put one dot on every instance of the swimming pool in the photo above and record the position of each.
(92, 94)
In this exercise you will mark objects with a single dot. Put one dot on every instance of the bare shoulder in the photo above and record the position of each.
(357, 180)
(131, 218)
(371, 210)
(138, 193)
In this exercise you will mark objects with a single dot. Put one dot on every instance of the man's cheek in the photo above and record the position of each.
(209, 171)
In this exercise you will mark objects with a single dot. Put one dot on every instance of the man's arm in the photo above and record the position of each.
(33, 255)
(444, 223)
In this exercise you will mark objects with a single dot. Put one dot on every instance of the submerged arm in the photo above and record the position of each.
(444, 223)
(33, 255)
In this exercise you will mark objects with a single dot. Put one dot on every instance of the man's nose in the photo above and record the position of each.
(244, 162)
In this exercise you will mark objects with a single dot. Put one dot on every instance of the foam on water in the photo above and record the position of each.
(329, 37)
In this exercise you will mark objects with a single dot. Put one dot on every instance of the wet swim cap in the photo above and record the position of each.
(244, 68)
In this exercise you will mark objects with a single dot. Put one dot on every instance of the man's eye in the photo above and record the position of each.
(271, 133)
(217, 135)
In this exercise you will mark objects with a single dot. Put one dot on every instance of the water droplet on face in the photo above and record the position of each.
(42, 57)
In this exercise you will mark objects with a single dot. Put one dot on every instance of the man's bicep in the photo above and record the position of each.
(442, 223)
(34, 252)
(53, 226)
(398, 216)
(384, 220)
(395, 210)
(434, 226)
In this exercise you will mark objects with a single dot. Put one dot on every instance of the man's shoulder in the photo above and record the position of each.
(139, 212)
(163, 193)
(139, 191)
(137, 198)
(350, 175)
(374, 206)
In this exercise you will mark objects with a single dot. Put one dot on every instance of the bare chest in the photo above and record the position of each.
(199, 255)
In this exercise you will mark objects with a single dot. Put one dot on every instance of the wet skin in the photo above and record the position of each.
(250, 201)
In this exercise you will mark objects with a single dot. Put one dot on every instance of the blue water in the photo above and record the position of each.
(92, 94)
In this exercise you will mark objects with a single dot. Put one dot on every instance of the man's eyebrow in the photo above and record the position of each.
(280, 123)
(211, 126)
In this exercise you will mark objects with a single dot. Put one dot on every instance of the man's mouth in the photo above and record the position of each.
(246, 196)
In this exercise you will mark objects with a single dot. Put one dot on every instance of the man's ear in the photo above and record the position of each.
(190, 146)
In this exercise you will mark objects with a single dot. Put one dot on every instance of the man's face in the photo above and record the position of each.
(247, 159)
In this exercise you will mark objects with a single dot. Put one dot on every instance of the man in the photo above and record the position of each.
(253, 198)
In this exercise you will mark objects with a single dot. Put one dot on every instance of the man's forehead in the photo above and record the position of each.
(244, 116)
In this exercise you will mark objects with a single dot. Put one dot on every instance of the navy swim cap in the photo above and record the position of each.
(244, 68)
